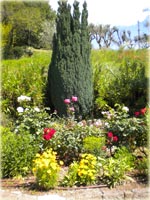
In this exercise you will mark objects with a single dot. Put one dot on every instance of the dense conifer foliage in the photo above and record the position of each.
(70, 72)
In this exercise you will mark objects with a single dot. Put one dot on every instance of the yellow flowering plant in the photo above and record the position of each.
(46, 169)
(87, 169)
(83, 172)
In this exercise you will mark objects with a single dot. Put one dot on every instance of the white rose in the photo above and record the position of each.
(126, 109)
(23, 98)
(37, 109)
(20, 109)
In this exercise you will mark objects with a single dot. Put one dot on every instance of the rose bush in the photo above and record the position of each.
(131, 131)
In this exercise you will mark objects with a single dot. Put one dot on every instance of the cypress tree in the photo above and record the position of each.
(70, 71)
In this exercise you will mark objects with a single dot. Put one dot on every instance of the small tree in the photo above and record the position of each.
(70, 71)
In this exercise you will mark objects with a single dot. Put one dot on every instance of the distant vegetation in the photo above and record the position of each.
(26, 24)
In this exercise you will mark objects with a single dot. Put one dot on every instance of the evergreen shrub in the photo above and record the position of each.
(70, 71)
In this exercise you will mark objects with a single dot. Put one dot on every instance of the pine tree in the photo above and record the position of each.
(70, 71)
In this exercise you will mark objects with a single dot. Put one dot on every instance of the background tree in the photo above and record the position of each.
(70, 70)
(108, 37)
(28, 22)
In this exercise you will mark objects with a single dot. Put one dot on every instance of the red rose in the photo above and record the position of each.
(115, 138)
(137, 113)
(45, 130)
(48, 133)
(110, 134)
(143, 111)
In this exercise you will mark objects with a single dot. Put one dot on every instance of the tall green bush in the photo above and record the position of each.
(70, 71)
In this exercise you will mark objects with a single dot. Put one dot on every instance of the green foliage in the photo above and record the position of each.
(115, 169)
(142, 166)
(70, 63)
(94, 145)
(120, 77)
(70, 178)
(23, 77)
(17, 152)
(142, 161)
(83, 172)
(46, 169)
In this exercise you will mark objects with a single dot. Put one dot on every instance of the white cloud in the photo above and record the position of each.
(114, 12)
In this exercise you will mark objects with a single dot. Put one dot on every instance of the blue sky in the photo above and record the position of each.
(113, 12)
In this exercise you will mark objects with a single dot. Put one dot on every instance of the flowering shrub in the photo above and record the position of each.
(33, 120)
(83, 172)
(46, 169)
(68, 140)
(130, 131)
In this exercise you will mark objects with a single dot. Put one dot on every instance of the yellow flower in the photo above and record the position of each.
(54, 166)
(46, 162)
(61, 162)
(34, 170)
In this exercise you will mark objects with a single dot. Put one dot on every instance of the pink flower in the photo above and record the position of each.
(115, 138)
(67, 101)
(48, 133)
(74, 99)
(137, 113)
(72, 109)
(110, 134)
